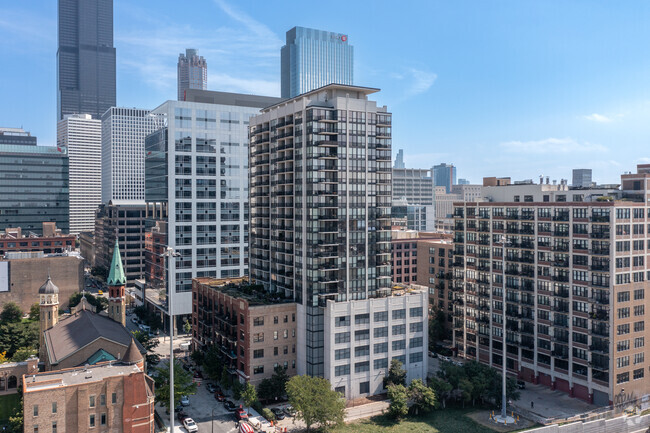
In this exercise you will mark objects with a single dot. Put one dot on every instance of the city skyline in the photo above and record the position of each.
(545, 80)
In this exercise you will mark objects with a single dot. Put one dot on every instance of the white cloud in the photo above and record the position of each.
(595, 117)
(421, 81)
(552, 146)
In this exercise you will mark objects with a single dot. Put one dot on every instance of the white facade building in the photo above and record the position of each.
(81, 135)
(123, 131)
(201, 186)
(362, 337)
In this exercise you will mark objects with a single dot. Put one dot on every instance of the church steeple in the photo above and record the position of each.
(49, 310)
(116, 282)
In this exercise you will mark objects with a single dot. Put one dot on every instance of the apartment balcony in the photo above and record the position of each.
(561, 217)
(600, 315)
(599, 268)
(599, 235)
(561, 248)
(561, 278)
(560, 233)
(600, 251)
(599, 219)
(599, 348)
(560, 263)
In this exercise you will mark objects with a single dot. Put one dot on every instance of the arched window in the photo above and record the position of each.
(12, 382)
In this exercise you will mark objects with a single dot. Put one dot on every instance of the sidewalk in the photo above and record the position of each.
(351, 414)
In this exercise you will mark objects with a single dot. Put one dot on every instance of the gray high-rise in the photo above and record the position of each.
(314, 58)
(192, 72)
(85, 58)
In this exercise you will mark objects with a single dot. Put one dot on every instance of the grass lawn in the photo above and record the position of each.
(8, 405)
(438, 421)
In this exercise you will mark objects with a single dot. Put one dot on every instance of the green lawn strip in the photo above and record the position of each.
(8, 405)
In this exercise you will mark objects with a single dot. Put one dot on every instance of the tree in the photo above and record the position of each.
(100, 272)
(249, 395)
(99, 303)
(275, 387)
(422, 398)
(34, 312)
(441, 388)
(3, 357)
(396, 374)
(183, 384)
(315, 402)
(237, 388)
(23, 353)
(398, 401)
(198, 357)
(149, 343)
(11, 313)
(187, 327)
(266, 390)
(212, 363)
(14, 336)
(437, 329)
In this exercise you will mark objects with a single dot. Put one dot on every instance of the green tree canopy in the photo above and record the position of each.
(34, 312)
(396, 374)
(149, 343)
(421, 397)
(183, 384)
(99, 303)
(11, 313)
(398, 401)
(17, 335)
(315, 402)
(23, 353)
(249, 395)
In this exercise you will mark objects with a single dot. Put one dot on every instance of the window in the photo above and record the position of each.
(638, 374)
(361, 367)
(342, 321)
(54, 407)
(639, 310)
(381, 316)
(401, 358)
(258, 321)
(54, 427)
(342, 354)
(258, 353)
(275, 320)
(342, 337)
(35, 429)
(92, 420)
(623, 329)
(399, 314)
(342, 370)
(364, 387)
(623, 312)
(639, 358)
(35, 410)
(285, 334)
(639, 326)
(258, 338)
(102, 419)
(639, 294)
(623, 345)
(416, 327)
(362, 335)
(622, 377)
(380, 348)
(623, 361)
(114, 398)
(623, 296)
(102, 399)
(380, 363)
(415, 342)
(362, 319)
(415, 357)
(639, 342)
(399, 329)
(275, 335)
(275, 351)
(381, 332)
(399, 345)
(92, 401)
(258, 369)
(415, 312)
(362, 351)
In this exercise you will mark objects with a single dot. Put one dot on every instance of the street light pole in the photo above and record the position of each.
(503, 391)
(171, 288)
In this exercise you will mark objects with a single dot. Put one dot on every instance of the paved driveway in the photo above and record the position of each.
(551, 404)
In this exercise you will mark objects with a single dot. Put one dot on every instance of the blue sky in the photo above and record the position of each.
(501, 88)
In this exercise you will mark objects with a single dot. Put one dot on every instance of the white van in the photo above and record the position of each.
(145, 328)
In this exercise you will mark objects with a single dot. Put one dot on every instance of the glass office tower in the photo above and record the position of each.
(85, 58)
(444, 175)
(192, 72)
(315, 58)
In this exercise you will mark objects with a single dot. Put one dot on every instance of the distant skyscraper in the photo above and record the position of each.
(463, 182)
(85, 58)
(192, 72)
(399, 159)
(581, 178)
(123, 134)
(81, 135)
(444, 175)
(33, 183)
(314, 58)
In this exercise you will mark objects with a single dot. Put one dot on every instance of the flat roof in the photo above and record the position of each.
(77, 376)
(362, 89)
(241, 288)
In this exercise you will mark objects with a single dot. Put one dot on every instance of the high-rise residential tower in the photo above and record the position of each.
(123, 134)
(81, 135)
(33, 183)
(85, 58)
(444, 175)
(320, 177)
(314, 58)
(192, 72)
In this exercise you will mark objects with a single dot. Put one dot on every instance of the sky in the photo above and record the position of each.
(502, 88)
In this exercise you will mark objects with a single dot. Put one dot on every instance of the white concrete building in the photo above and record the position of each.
(81, 135)
(123, 132)
(362, 337)
(197, 181)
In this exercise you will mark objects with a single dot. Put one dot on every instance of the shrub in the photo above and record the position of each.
(266, 413)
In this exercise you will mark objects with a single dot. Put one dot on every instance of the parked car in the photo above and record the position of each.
(278, 413)
(289, 410)
(211, 388)
(457, 363)
(190, 425)
(218, 395)
(182, 415)
(241, 414)
(521, 384)
(198, 374)
(185, 400)
(229, 405)
(135, 320)
(432, 354)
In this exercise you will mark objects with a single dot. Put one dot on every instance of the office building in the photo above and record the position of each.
(320, 231)
(561, 274)
(313, 58)
(52, 241)
(197, 182)
(33, 183)
(192, 72)
(126, 220)
(463, 182)
(399, 159)
(81, 136)
(581, 178)
(415, 185)
(444, 175)
(85, 58)
(122, 158)
(254, 332)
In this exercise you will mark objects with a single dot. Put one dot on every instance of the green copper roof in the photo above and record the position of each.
(100, 356)
(116, 275)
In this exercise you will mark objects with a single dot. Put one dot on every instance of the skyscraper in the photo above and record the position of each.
(192, 72)
(123, 134)
(85, 58)
(444, 175)
(399, 159)
(581, 178)
(315, 58)
(320, 177)
(81, 135)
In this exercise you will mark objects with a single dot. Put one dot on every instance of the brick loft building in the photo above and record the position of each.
(254, 330)
(562, 274)
(435, 271)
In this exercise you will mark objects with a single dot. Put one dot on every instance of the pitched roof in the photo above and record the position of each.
(79, 330)
(100, 356)
(116, 275)
(48, 288)
(132, 355)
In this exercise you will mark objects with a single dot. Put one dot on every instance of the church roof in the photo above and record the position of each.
(79, 330)
(116, 275)
(48, 288)
(132, 354)
(100, 356)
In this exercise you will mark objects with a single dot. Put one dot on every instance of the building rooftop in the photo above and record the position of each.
(241, 288)
(360, 89)
(77, 376)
